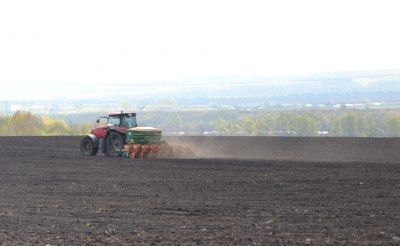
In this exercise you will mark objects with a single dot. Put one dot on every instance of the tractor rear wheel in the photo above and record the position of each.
(87, 147)
(114, 140)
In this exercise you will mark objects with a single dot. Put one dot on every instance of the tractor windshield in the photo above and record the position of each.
(129, 121)
(114, 121)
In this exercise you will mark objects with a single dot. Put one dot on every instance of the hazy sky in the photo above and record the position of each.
(134, 41)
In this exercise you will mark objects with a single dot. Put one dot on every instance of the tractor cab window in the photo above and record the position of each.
(114, 121)
(129, 121)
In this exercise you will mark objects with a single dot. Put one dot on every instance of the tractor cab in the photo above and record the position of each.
(123, 120)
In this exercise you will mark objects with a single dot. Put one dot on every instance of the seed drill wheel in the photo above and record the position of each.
(114, 141)
(87, 147)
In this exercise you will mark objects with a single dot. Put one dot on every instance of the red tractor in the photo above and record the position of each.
(109, 137)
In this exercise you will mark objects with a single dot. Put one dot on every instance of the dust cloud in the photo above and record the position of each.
(319, 149)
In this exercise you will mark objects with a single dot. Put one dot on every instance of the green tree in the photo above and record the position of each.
(23, 124)
(305, 125)
(393, 125)
(52, 127)
(348, 125)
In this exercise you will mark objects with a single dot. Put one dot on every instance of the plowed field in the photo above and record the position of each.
(50, 194)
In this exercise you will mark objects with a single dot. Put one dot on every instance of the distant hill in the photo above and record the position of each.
(233, 91)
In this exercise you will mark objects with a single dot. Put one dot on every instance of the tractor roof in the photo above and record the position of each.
(121, 114)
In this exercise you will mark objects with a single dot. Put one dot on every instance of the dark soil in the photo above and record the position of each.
(50, 194)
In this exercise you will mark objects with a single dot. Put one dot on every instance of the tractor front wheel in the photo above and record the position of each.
(114, 141)
(87, 147)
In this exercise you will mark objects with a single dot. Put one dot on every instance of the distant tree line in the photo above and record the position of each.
(347, 124)
(26, 124)
(344, 122)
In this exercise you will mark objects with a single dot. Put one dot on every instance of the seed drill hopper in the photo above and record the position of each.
(144, 142)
